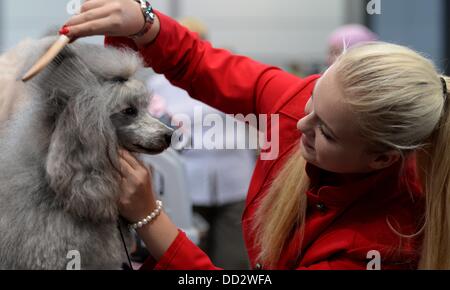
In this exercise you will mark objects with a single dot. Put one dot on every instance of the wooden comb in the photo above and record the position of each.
(51, 53)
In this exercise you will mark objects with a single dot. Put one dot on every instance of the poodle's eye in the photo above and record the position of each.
(131, 111)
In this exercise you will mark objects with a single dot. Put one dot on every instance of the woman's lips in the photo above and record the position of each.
(307, 145)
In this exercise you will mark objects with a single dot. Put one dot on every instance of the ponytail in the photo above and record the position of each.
(434, 168)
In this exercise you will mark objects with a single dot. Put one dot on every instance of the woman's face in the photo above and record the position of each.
(331, 138)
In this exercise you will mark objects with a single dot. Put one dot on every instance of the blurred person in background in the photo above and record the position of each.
(340, 39)
(218, 180)
(346, 37)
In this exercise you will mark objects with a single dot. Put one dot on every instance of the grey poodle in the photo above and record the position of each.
(59, 157)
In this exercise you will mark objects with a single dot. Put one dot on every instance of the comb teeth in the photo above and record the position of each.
(51, 53)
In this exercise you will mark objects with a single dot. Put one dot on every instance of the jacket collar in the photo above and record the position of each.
(388, 181)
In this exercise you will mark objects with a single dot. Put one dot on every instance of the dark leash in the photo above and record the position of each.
(128, 267)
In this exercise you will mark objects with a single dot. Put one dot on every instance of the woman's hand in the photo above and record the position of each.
(137, 200)
(110, 18)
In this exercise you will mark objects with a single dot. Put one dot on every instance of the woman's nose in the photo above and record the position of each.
(305, 124)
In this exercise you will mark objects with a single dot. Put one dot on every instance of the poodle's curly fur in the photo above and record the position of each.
(59, 157)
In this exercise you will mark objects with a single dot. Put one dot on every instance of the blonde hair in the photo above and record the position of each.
(282, 210)
(398, 99)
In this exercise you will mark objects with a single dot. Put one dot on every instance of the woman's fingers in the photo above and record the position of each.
(125, 168)
(91, 4)
(137, 198)
(95, 27)
(130, 159)
(106, 17)
(130, 178)
(87, 16)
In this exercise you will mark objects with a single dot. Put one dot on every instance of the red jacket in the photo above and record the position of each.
(343, 224)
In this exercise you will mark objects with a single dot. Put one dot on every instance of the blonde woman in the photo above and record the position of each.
(363, 166)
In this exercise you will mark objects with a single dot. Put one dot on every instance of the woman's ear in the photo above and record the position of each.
(82, 160)
(384, 160)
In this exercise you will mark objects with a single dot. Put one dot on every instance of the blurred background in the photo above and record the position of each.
(289, 33)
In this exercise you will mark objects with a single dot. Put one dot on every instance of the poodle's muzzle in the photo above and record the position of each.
(142, 133)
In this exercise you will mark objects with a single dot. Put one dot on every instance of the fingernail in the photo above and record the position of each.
(64, 30)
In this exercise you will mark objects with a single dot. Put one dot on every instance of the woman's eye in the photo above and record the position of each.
(328, 137)
(131, 111)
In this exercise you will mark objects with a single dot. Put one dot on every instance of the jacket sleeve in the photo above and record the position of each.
(181, 255)
(231, 83)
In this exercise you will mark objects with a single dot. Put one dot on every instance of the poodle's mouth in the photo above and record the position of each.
(143, 149)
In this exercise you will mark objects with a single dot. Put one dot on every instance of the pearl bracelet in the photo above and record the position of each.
(149, 218)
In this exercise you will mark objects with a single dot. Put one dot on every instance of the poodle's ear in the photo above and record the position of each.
(82, 157)
(82, 160)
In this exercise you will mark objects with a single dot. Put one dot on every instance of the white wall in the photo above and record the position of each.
(29, 18)
(271, 30)
(274, 31)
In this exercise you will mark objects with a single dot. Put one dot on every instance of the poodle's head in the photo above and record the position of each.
(94, 103)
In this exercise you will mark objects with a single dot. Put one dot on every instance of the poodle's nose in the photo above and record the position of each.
(168, 137)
